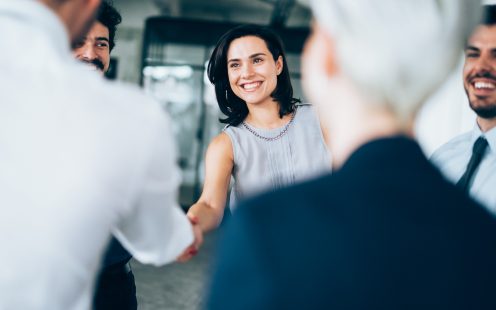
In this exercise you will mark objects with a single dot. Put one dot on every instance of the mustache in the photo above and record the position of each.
(485, 74)
(96, 62)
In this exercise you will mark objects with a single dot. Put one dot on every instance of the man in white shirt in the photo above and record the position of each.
(80, 158)
(470, 159)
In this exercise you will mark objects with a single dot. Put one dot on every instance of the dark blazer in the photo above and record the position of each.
(386, 231)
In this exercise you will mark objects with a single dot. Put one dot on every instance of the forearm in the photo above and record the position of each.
(208, 217)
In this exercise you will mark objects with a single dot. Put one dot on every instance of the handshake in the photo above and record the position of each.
(192, 250)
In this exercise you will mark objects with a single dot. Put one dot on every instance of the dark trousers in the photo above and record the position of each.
(115, 289)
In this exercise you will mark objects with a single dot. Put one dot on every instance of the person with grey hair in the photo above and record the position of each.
(385, 230)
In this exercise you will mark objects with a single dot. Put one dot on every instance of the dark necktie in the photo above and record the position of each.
(477, 154)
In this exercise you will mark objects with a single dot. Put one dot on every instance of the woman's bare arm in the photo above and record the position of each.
(219, 162)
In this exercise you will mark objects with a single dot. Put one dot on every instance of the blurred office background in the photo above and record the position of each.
(164, 45)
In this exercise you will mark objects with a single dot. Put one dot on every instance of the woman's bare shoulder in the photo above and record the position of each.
(221, 146)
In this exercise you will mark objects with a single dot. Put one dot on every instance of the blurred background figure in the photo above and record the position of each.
(81, 158)
(271, 140)
(115, 287)
(95, 47)
(385, 230)
(469, 160)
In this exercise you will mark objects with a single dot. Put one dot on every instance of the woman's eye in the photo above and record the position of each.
(257, 60)
(233, 65)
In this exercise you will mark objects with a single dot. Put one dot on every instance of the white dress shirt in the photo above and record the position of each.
(453, 157)
(80, 158)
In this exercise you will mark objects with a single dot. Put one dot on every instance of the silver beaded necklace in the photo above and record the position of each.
(282, 133)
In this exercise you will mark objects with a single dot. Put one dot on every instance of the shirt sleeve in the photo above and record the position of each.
(157, 231)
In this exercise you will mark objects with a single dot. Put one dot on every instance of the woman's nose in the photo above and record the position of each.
(247, 71)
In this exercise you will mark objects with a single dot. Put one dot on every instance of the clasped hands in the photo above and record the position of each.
(192, 250)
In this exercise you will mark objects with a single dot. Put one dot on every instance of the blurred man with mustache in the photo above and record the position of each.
(469, 160)
(115, 287)
(95, 48)
(81, 159)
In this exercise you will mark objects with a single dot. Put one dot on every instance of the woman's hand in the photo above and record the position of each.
(192, 250)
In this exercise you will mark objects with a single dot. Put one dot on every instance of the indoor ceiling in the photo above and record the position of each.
(286, 13)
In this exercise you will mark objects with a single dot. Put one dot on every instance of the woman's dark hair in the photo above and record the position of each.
(231, 105)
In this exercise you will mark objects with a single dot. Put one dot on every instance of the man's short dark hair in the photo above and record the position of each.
(110, 18)
(489, 15)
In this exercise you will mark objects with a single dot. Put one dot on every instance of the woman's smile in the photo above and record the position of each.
(252, 70)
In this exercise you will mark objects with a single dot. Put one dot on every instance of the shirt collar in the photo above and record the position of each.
(39, 16)
(491, 139)
(393, 151)
(490, 136)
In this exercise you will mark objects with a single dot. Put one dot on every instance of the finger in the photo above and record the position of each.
(198, 237)
(193, 219)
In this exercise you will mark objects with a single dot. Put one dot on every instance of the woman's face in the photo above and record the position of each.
(252, 70)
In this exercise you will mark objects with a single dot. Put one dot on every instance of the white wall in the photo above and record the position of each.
(445, 115)
(130, 37)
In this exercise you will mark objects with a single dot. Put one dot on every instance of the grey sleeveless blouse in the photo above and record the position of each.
(261, 165)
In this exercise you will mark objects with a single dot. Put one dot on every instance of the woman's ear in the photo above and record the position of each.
(279, 65)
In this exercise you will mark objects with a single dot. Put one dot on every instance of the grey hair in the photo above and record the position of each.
(397, 51)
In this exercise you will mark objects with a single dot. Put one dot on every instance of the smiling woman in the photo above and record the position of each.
(240, 55)
(271, 140)
(252, 71)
